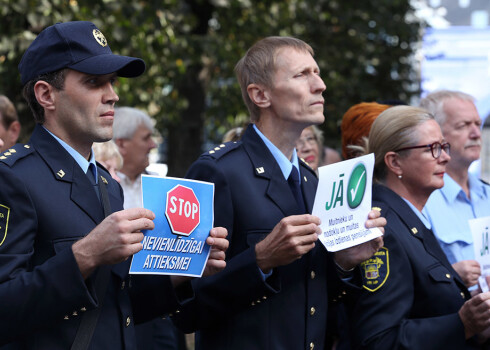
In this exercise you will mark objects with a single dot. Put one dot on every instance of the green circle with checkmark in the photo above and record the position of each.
(356, 186)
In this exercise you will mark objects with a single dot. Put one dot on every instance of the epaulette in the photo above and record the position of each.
(304, 161)
(305, 164)
(15, 153)
(222, 149)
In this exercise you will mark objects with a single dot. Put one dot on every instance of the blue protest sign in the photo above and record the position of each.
(183, 218)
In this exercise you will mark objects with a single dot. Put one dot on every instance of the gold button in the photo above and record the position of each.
(83, 309)
(75, 313)
(66, 317)
(264, 297)
(128, 321)
(123, 284)
(312, 311)
(448, 276)
(462, 295)
(312, 274)
(312, 346)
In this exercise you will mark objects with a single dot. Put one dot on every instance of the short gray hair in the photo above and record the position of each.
(127, 120)
(258, 66)
(434, 102)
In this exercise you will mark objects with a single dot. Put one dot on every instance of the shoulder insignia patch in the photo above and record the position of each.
(305, 164)
(4, 222)
(375, 271)
(15, 153)
(304, 161)
(222, 149)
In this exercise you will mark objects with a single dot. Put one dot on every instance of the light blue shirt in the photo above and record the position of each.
(284, 163)
(84, 164)
(449, 209)
(419, 214)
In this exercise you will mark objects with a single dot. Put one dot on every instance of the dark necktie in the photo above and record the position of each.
(295, 185)
(91, 177)
(102, 276)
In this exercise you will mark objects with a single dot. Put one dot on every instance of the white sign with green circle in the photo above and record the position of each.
(343, 201)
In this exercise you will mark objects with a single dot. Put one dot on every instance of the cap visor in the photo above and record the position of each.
(128, 67)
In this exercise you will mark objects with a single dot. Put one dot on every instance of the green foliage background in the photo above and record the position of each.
(363, 48)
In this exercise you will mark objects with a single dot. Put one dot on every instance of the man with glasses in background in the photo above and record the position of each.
(463, 196)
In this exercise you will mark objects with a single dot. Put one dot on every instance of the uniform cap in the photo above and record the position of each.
(76, 45)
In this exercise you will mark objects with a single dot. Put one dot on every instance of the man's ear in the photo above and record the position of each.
(121, 146)
(45, 94)
(392, 161)
(259, 95)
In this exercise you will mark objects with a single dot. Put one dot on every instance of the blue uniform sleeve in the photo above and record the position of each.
(32, 296)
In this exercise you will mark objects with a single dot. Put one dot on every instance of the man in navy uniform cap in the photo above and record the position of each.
(64, 238)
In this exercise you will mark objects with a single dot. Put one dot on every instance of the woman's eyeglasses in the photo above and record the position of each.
(436, 148)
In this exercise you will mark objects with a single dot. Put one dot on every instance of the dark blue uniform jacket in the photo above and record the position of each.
(46, 204)
(412, 300)
(237, 308)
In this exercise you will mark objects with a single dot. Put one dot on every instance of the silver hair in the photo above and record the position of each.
(434, 102)
(127, 120)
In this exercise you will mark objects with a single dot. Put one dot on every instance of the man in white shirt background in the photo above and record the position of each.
(133, 134)
(133, 131)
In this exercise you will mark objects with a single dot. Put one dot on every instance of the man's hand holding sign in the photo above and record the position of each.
(342, 202)
(183, 242)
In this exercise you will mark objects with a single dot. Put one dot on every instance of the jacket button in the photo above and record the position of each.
(448, 276)
(312, 275)
(312, 311)
(123, 284)
(312, 346)
(462, 295)
(128, 321)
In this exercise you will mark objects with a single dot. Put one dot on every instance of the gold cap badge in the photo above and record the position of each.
(99, 37)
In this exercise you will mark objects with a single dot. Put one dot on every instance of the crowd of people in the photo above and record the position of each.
(71, 215)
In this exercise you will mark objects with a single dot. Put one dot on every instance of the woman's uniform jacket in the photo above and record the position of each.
(411, 295)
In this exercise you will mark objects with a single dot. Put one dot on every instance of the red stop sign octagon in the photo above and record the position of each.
(182, 210)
